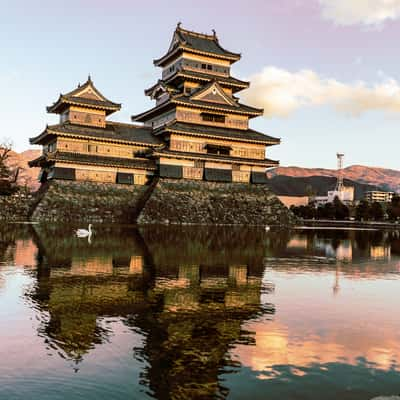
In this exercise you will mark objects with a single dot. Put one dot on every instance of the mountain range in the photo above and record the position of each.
(386, 179)
(294, 181)
(27, 176)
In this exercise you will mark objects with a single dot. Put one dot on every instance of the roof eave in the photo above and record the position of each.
(104, 139)
(63, 102)
(264, 162)
(251, 114)
(160, 61)
(139, 117)
(38, 139)
(270, 142)
(116, 162)
(233, 57)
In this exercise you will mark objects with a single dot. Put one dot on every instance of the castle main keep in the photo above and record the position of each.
(197, 130)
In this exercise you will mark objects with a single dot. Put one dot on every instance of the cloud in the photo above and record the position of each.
(364, 12)
(281, 92)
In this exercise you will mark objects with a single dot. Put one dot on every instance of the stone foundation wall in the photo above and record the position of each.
(171, 201)
(17, 206)
(200, 202)
(69, 201)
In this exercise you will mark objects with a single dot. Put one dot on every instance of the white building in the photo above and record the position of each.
(379, 196)
(345, 194)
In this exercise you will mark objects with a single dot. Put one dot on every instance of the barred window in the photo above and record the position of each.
(198, 164)
(213, 117)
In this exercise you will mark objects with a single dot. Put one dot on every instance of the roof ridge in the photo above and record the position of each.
(89, 82)
(197, 34)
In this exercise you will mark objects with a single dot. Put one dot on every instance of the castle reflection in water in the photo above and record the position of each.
(189, 291)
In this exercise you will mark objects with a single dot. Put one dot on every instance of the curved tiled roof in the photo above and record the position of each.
(114, 131)
(222, 80)
(183, 99)
(78, 158)
(221, 158)
(248, 135)
(73, 97)
(197, 43)
(238, 108)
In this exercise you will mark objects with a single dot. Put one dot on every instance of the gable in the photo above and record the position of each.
(89, 92)
(214, 94)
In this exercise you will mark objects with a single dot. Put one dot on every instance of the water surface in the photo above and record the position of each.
(198, 313)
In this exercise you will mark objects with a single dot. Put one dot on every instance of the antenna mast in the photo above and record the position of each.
(339, 184)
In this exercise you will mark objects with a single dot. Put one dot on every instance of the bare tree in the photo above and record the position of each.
(8, 178)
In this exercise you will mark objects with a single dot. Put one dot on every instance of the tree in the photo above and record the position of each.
(394, 209)
(363, 211)
(327, 211)
(340, 209)
(306, 212)
(376, 211)
(8, 178)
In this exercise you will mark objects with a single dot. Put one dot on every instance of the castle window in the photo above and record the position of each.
(64, 116)
(198, 164)
(51, 147)
(213, 117)
(92, 148)
(220, 150)
(235, 167)
(209, 66)
(204, 66)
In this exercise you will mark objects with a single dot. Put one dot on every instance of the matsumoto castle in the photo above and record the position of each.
(198, 129)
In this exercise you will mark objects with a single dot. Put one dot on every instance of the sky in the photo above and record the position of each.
(326, 72)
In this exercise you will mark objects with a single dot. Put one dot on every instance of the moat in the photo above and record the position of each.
(167, 312)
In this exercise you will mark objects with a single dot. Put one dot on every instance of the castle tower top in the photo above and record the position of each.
(85, 96)
(195, 43)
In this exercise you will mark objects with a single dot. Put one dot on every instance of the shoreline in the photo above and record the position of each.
(353, 225)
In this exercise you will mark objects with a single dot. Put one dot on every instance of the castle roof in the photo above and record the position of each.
(86, 95)
(187, 100)
(113, 131)
(198, 43)
(88, 159)
(213, 157)
(228, 81)
(248, 135)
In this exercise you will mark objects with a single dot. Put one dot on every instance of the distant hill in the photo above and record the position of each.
(298, 186)
(27, 176)
(387, 179)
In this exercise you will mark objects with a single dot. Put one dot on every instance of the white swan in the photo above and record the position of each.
(82, 233)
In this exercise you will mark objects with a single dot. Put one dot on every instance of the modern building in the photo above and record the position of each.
(344, 193)
(373, 196)
(198, 128)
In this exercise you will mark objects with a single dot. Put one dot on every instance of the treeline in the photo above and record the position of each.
(364, 211)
